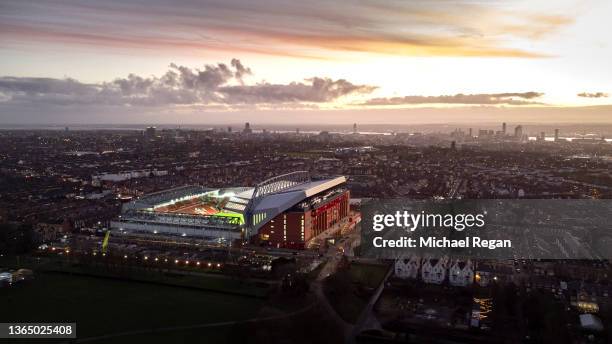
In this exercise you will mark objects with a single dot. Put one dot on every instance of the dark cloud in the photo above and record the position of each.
(33, 86)
(522, 98)
(241, 70)
(593, 95)
(315, 90)
(180, 85)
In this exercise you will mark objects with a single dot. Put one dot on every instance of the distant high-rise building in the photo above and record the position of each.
(150, 132)
(504, 128)
(456, 133)
(543, 136)
(518, 131)
(556, 135)
(229, 129)
(247, 128)
(297, 131)
(354, 128)
(470, 132)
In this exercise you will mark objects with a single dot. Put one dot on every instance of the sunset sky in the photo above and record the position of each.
(273, 61)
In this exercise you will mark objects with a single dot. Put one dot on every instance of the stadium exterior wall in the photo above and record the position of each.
(202, 232)
(293, 229)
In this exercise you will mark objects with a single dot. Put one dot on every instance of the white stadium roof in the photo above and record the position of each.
(276, 203)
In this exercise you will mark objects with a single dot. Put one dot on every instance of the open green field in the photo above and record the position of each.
(348, 290)
(368, 275)
(102, 306)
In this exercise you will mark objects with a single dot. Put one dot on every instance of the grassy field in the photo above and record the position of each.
(102, 306)
(349, 289)
(368, 275)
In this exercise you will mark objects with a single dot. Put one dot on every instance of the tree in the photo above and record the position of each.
(16, 239)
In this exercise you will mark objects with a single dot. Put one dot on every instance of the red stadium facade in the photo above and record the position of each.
(295, 227)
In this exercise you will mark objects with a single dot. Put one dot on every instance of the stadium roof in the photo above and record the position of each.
(276, 203)
(164, 196)
(307, 189)
(288, 198)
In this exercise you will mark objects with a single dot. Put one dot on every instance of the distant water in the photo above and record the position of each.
(79, 128)
(570, 139)
(571, 131)
(189, 127)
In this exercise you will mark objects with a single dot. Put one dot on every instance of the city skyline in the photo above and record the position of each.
(68, 62)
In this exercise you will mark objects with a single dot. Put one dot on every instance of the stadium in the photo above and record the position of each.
(284, 211)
